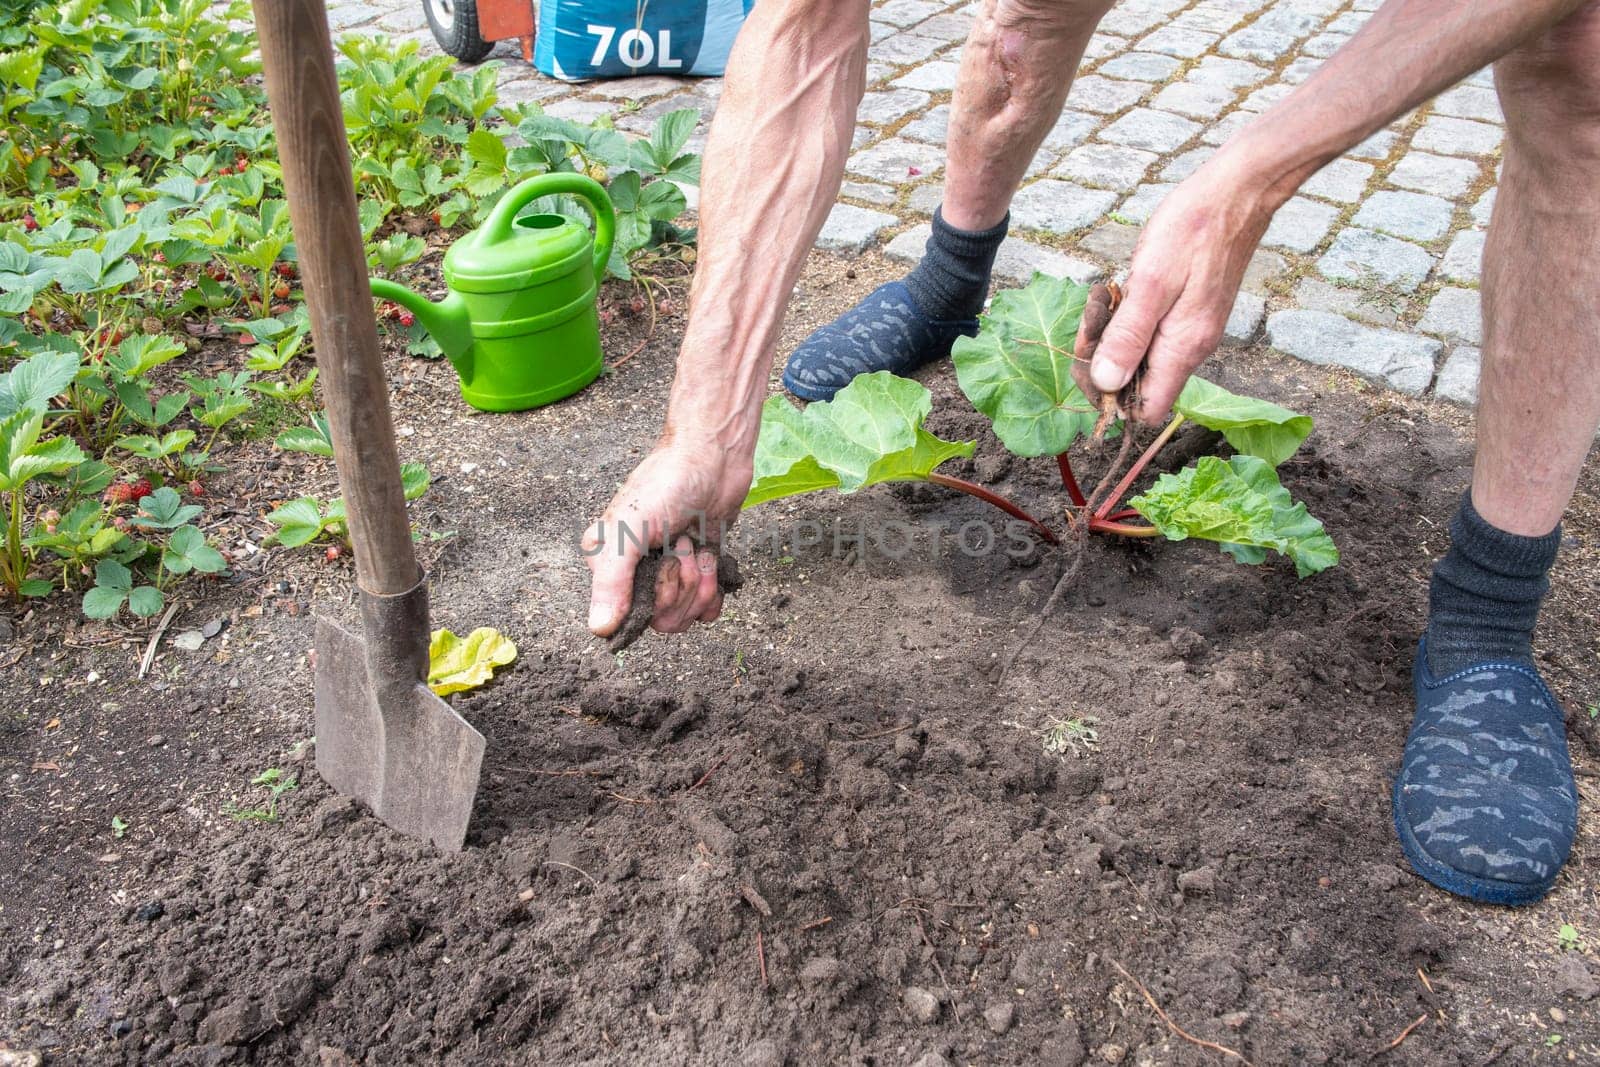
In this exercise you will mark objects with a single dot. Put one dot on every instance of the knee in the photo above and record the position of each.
(1023, 45)
(1047, 18)
(1550, 87)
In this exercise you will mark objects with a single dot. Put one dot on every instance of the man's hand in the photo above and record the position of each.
(1185, 275)
(682, 498)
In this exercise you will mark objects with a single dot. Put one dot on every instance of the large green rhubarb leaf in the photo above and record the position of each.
(1254, 427)
(1239, 503)
(1018, 370)
(870, 432)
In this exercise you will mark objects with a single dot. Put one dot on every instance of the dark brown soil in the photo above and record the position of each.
(816, 832)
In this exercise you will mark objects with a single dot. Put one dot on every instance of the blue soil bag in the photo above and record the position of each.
(616, 38)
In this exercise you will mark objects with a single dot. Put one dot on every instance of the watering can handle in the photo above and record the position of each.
(498, 227)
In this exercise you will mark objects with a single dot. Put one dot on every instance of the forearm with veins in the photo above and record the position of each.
(773, 164)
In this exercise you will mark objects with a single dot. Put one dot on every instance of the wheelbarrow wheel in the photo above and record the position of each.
(455, 27)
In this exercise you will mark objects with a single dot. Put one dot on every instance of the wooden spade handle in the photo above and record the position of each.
(303, 92)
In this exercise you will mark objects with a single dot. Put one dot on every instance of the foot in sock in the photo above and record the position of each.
(1485, 803)
(902, 325)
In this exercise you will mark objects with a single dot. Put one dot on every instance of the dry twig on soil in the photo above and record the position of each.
(1174, 1027)
(1418, 1021)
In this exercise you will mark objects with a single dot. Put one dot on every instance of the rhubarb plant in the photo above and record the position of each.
(1017, 371)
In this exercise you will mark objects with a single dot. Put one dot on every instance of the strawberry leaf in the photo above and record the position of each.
(1018, 370)
(1240, 504)
(870, 432)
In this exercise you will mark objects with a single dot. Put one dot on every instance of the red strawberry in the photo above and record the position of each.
(407, 318)
(158, 257)
(285, 270)
(332, 553)
(30, 223)
(240, 163)
(281, 290)
(128, 491)
(224, 171)
(197, 488)
(247, 339)
(436, 221)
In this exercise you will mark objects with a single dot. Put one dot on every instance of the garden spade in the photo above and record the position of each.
(382, 735)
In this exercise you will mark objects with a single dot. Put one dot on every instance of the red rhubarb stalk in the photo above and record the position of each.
(1139, 465)
(1070, 481)
(960, 485)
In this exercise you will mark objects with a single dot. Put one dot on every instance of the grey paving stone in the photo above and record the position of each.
(1111, 240)
(877, 72)
(905, 48)
(1108, 166)
(1458, 378)
(1016, 261)
(580, 110)
(1217, 133)
(1169, 40)
(878, 31)
(1264, 267)
(645, 87)
(1441, 175)
(882, 108)
(1456, 314)
(1207, 19)
(1072, 128)
(1457, 137)
(1104, 95)
(933, 128)
(1154, 131)
(1366, 258)
(1300, 70)
(894, 159)
(1195, 100)
(1300, 225)
(1483, 78)
(1244, 321)
(1350, 21)
(1399, 360)
(1144, 201)
(1130, 21)
(1231, 73)
(903, 13)
(953, 27)
(1141, 67)
(1266, 96)
(1102, 45)
(1058, 207)
(1290, 21)
(871, 192)
(1324, 45)
(1343, 180)
(1463, 260)
(862, 136)
(531, 90)
(852, 229)
(925, 199)
(1413, 215)
(938, 76)
(1470, 102)
(1379, 307)
(1483, 210)
(1266, 46)
(1183, 166)
(1378, 146)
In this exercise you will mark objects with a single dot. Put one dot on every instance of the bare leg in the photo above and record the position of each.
(1539, 402)
(1016, 68)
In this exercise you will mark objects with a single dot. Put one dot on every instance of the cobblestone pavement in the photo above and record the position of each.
(1374, 266)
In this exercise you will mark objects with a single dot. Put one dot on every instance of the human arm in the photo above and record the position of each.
(773, 164)
(1193, 252)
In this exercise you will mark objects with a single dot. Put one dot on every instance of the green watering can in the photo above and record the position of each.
(519, 323)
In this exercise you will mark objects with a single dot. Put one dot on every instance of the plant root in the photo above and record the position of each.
(1180, 1031)
(1068, 574)
(1418, 1021)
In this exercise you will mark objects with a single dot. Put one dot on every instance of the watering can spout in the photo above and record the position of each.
(446, 321)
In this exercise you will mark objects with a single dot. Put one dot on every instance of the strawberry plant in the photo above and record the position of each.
(1017, 372)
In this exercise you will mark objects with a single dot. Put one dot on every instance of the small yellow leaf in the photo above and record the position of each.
(458, 663)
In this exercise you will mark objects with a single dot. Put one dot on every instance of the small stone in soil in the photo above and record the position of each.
(1574, 979)
(932, 1059)
(920, 1004)
(155, 740)
(188, 640)
(151, 911)
(1557, 1015)
(1200, 880)
(211, 629)
(1000, 1016)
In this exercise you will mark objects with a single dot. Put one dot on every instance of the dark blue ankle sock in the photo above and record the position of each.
(1485, 594)
(903, 325)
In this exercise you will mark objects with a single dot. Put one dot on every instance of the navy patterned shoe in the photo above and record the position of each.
(1485, 803)
(885, 331)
